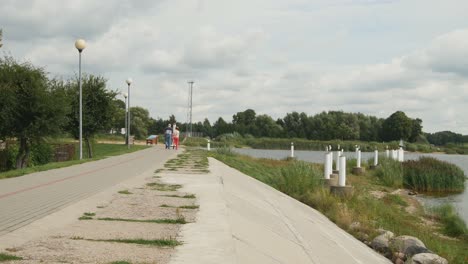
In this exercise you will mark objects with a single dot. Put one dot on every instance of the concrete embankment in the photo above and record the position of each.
(242, 220)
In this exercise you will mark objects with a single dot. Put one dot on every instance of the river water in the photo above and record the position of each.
(460, 201)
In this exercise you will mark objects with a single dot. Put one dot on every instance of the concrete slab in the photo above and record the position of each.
(242, 220)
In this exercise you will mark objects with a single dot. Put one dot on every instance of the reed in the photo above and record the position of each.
(390, 172)
(432, 175)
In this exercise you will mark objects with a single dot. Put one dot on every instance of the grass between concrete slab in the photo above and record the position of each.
(7, 257)
(125, 192)
(179, 220)
(187, 196)
(163, 187)
(181, 207)
(149, 242)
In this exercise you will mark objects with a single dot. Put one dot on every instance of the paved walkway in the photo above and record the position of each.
(31, 197)
(242, 220)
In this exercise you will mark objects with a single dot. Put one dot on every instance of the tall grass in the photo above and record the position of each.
(452, 224)
(298, 178)
(432, 175)
(390, 172)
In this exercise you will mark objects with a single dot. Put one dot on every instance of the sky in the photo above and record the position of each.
(274, 56)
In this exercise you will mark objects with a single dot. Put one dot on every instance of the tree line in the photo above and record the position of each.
(322, 126)
(33, 107)
(329, 125)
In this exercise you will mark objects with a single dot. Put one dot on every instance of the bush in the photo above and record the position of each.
(41, 154)
(390, 172)
(432, 175)
(225, 150)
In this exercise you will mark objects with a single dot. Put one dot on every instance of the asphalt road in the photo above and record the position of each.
(28, 198)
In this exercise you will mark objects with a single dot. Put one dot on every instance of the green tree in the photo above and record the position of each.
(118, 117)
(1, 35)
(98, 108)
(397, 126)
(140, 122)
(221, 127)
(267, 127)
(32, 106)
(416, 130)
(244, 122)
(206, 128)
(293, 125)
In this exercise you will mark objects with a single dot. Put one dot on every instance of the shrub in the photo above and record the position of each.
(432, 175)
(225, 150)
(41, 154)
(390, 172)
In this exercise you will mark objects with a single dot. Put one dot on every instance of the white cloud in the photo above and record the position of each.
(273, 56)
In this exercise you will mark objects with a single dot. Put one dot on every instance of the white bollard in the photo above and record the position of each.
(342, 175)
(376, 157)
(359, 158)
(208, 147)
(337, 165)
(330, 163)
(387, 153)
(326, 166)
(292, 150)
(393, 155)
(401, 154)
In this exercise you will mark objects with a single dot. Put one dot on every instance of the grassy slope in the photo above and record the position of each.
(388, 213)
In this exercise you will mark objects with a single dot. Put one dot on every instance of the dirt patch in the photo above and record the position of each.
(84, 241)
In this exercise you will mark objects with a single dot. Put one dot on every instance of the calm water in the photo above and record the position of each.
(460, 201)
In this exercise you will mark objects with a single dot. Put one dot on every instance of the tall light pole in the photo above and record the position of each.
(129, 82)
(80, 45)
(126, 115)
(190, 105)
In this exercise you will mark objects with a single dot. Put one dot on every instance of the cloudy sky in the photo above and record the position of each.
(274, 56)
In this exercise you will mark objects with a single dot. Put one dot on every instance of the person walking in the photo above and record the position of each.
(168, 136)
(175, 137)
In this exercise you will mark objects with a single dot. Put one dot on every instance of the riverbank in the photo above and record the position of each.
(373, 206)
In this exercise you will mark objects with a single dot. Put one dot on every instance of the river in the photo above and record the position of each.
(460, 201)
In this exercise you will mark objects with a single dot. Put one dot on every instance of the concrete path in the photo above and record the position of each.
(31, 197)
(242, 220)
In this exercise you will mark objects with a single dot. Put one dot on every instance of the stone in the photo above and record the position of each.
(399, 261)
(426, 258)
(401, 243)
(355, 226)
(413, 250)
(381, 244)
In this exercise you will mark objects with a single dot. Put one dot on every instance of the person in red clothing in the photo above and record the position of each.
(175, 137)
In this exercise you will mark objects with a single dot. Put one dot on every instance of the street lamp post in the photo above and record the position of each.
(129, 82)
(80, 45)
(126, 115)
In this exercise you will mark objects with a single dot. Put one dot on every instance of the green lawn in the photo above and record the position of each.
(100, 151)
